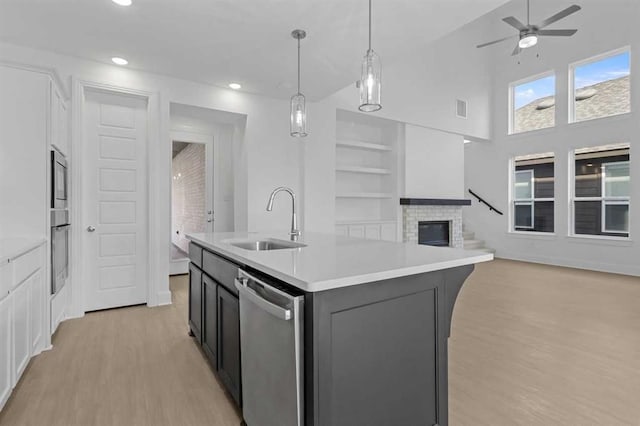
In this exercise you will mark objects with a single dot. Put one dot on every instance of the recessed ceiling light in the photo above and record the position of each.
(119, 61)
(122, 2)
(235, 86)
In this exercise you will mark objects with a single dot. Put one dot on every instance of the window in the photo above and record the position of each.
(532, 104)
(601, 87)
(601, 191)
(533, 193)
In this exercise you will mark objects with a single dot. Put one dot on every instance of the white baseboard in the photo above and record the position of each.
(572, 263)
(163, 298)
(179, 267)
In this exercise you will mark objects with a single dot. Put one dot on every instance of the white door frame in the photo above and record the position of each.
(157, 288)
(208, 140)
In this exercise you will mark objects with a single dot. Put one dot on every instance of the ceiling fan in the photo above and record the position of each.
(528, 34)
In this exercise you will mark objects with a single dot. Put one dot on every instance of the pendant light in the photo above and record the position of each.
(298, 104)
(370, 79)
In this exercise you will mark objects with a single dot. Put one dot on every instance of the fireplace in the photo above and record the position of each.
(434, 233)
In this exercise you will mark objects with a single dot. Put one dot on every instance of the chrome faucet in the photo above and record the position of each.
(295, 233)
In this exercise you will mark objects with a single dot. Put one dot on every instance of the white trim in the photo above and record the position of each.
(571, 93)
(157, 272)
(626, 241)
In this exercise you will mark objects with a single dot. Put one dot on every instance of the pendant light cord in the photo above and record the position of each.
(298, 65)
(528, 10)
(369, 25)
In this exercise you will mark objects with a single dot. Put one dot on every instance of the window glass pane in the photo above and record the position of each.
(602, 88)
(534, 105)
(523, 217)
(616, 217)
(523, 185)
(616, 181)
(588, 174)
(543, 220)
(588, 217)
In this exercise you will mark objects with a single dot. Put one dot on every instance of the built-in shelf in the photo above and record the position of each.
(365, 170)
(365, 195)
(363, 145)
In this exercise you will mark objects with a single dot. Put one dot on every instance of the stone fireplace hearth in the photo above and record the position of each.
(416, 210)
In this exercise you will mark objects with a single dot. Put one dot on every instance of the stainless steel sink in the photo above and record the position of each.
(264, 245)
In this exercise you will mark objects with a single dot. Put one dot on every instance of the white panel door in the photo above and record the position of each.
(114, 203)
(5, 349)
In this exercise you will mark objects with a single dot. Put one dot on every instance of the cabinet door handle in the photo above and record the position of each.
(91, 228)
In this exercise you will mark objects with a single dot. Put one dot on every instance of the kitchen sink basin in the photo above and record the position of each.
(264, 245)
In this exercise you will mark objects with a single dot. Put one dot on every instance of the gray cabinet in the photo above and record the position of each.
(210, 319)
(195, 301)
(229, 342)
(214, 315)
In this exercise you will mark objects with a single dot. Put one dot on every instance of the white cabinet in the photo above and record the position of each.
(59, 126)
(21, 330)
(372, 232)
(356, 231)
(22, 310)
(385, 231)
(5, 349)
(36, 303)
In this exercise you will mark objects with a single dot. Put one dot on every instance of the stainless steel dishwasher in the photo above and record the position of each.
(271, 339)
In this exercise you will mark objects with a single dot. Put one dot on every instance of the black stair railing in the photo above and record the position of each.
(482, 200)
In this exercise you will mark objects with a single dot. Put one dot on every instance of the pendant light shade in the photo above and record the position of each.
(298, 103)
(370, 78)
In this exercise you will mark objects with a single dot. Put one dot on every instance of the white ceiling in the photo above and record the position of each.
(248, 41)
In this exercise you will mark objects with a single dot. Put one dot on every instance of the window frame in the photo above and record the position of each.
(572, 199)
(572, 82)
(511, 104)
(528, 201)
(613, 200)
(524, 201)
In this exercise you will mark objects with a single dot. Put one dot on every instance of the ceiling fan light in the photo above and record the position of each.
(527, 41)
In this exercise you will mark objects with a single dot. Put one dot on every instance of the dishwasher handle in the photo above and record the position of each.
(275, 310)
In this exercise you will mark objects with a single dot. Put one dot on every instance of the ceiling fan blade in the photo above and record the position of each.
(557, 33)
(516, 51)
(513, 21)
(558, 16)
(494, 42)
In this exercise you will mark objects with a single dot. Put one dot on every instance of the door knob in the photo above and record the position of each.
(91, 228)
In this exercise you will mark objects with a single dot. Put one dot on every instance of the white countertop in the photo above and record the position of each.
(332, 261)
(10, 248)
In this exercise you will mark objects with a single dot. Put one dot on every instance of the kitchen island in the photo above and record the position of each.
(370, 343)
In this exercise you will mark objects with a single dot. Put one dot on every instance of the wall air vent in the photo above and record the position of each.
(461, 108)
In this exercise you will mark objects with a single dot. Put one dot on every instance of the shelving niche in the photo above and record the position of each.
(367, 175)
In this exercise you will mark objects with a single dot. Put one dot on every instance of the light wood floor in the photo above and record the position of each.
(121, 367)
(530, 345)
(542, 345)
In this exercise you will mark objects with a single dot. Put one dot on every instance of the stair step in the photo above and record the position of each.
(473, 244)
(468, 235)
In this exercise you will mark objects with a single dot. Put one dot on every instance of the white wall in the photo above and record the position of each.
(433, 163)
(268, 155)
(603, 26)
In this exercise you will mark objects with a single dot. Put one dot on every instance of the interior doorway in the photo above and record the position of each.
(191, 207)
(206, 147)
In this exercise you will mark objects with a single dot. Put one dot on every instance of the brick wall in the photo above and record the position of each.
(188, 194)
(411, 215)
